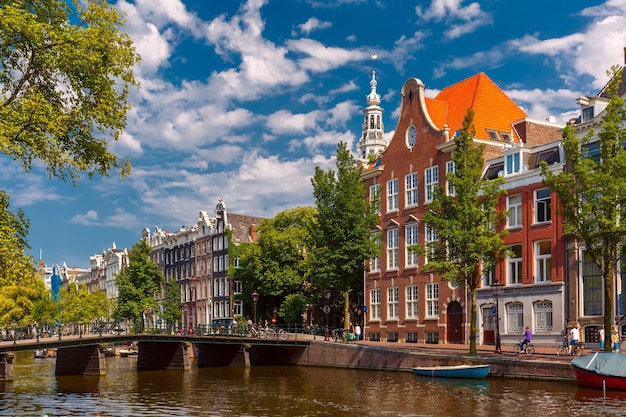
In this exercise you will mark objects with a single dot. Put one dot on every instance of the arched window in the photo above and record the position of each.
(372, 122)
(515, 318)
(543, 316)
(377, 122)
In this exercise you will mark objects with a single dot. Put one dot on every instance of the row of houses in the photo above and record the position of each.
(547, 283)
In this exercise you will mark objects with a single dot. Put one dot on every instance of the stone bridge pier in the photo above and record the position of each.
(80, 360)
(6, 366)
(163, 355)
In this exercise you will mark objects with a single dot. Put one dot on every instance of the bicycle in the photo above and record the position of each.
(517, 349)
(576, 350)
(270, 332)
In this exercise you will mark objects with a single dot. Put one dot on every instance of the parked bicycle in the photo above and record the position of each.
(517, 348)
(577, 349)
(339, 335)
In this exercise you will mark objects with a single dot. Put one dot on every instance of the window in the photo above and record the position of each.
(375, 196)
(431, 179)
(237, 287)
(392, 194)
(512, 164)
(450, 168)
(592, 288)
(514, 265)
(543, 259)
(542, 205)
(375, 304)
(493, 135)
(515, 318)
(392, 249)
(392, 303)
(514, 209)
(411, 189)
(587, 114)
(411, 239)
(488, 275)
(238, 308)
(431, 237)
(411, 302)
(432, 300)
(543, 317)
(592, 150)
(375, 262)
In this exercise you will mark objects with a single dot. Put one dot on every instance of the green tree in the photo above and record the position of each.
(342, 232)
(45, 311)
(16, 267)
(171, 310)
(591, 194)
(65, 78)
(79, 307)
(276, 265)
(293, 308)
(17, 303)
(137, 286)
(469, 227)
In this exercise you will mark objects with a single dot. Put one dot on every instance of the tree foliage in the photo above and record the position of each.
(171, 306)
(591, 194)
(65, 77)
(79, 307)
(469, 227)
(342, 234)
(137, 286)
(16, 267)
(276, 266)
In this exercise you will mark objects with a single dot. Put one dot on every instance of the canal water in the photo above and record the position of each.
(286, 391)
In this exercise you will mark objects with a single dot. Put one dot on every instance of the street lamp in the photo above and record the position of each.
(255, 300)
(496, 289)
(327, 294)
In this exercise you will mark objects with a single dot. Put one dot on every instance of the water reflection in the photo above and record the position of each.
(286, 391)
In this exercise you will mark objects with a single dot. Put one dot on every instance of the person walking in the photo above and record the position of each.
(528, 335)
(574, 337)
(357, 332)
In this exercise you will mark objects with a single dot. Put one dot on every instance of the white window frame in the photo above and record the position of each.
(515, 318)
(393, 303)
(375, 304)
(514, 267)
(432, 300)
(410, 183)
(411, 239)
(543, 316)
(431, 180)
(450, 168)
(514, 211)
(513, 163)
(430, 235)
(392, 195)
(543, 261)
(412, 302)
(375, 196)
(375, 262)
(392, 248)
(543, 204)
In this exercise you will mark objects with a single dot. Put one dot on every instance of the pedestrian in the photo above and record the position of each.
(528, 335)
(357, 331)
(601, 337)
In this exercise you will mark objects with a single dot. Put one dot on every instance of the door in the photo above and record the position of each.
(489, 337)
(455, 323)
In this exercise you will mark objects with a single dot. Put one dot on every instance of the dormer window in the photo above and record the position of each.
(587, 114)
(506, 137)
(512, 164)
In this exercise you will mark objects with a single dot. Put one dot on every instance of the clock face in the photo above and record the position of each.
(411, 136)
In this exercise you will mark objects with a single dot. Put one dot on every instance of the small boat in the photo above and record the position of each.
(454, 371)
(603, 370)
(124, 353)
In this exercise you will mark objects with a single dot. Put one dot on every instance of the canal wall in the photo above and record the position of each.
(360, 356)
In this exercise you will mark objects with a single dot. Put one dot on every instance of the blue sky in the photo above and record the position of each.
(241, 100)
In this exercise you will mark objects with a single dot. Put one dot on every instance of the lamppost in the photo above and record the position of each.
(327, 294)
(496, 289)
(255, 300)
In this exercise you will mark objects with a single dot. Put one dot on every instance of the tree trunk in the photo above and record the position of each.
(472, 336)
(346, 314)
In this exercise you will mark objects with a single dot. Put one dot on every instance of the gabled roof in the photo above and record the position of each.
(493, 109)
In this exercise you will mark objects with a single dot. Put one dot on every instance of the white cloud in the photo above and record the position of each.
(88, 219)
(312, 24)
(404, 48)
(283, 121)
(449, 11)
(323, 58)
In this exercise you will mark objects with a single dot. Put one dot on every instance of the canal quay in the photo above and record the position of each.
(543, 365)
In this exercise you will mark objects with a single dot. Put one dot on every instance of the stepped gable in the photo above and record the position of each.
(482, 95)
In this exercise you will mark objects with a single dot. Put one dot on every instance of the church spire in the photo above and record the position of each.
(372, 140)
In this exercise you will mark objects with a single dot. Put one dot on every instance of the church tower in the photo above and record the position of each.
(372, 140)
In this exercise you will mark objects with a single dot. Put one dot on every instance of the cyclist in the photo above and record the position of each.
(528, 335)
(574, 337)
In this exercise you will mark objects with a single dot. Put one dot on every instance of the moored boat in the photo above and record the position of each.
(603, 370)
(454, 371)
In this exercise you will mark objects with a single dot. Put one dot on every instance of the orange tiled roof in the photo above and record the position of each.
(493, 109)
